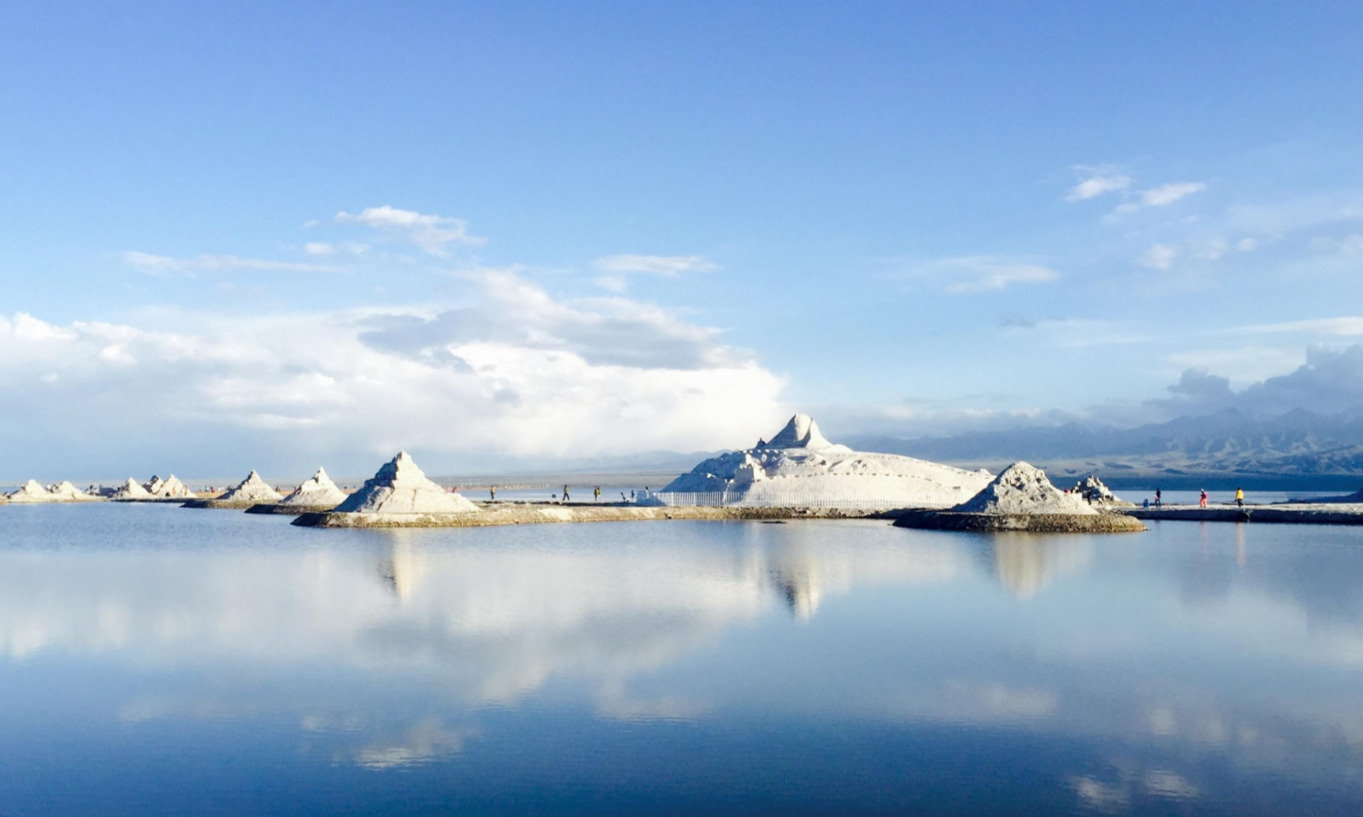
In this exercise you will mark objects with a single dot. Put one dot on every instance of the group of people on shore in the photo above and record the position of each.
(1201, 498)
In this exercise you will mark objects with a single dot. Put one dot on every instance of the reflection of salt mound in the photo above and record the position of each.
(1025, 564)
(1024, 489)
(800, 468)
(173, 488)
(318, 492)
(251, 489)
(31, 491)
(401, 487)
(131, 489)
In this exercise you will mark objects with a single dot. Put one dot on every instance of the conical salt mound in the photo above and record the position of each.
(251, 489)
(1024, 489)
(173, 488)
(31, 491)
(66, 492)
(132, 489)
(154, 485)
(801, 432)
(318, 492)
(401, 487)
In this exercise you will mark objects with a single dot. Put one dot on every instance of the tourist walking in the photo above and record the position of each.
(565, 493)
(596, 493)
(1202, 500)
(1158, 501)
(1240, 497)
(492, 489)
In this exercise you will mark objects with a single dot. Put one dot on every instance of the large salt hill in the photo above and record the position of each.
(800, 468)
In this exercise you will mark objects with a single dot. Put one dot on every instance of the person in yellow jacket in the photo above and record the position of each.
(1240, 497)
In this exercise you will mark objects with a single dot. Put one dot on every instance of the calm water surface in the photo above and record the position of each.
(166, 661)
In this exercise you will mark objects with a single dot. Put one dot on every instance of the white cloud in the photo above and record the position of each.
(163, 264)
(1247, 245)
(1349, 326)
(325, 248)
(431, 233)
(1169, 193)
(511, 373)
(975, 274)
(1097, 181)
(1160, 256)
(668, 265)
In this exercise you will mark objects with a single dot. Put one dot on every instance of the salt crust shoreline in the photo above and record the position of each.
(541, 514)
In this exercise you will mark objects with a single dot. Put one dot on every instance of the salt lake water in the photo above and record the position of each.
(156, 660)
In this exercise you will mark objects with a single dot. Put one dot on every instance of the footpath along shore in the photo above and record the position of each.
(1289, 513)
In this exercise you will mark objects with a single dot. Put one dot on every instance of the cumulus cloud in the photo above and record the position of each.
(1097, 181)
(164, 265)
(432, 233)
(510, 372)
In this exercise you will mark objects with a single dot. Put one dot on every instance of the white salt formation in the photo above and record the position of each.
(31, 491)
(153, 486)
(66, 492)
(131, 489)
(401, 487)
(800, 468)
(251, 489)
(1023, 489)
(1094, 492)
(318, 492)
(172, 488)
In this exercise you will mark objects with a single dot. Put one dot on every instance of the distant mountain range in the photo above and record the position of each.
(1300, 445)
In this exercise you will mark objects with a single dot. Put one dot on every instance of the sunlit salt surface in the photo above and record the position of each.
(167, 661)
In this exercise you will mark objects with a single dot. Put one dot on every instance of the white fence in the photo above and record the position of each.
(726, 499)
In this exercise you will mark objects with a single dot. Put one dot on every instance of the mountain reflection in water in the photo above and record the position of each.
(673, 666)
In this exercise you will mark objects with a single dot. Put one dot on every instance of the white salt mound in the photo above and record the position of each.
(318, 492)
(251, 489)
(401, 487)
(66, 492)
(153, 486)
(1024, 489)
(799, 467)
(173, 488)
(131, 489)
(31, 491)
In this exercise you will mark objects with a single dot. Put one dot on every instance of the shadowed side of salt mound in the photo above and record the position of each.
(251, 491)
(800, 468)
(316, 494)
(400, 487)
(1023, 499)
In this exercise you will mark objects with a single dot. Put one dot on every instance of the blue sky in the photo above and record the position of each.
(563, 231)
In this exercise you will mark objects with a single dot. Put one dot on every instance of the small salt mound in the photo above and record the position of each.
(173, 488)
(31, 491)
(154, 485)
(66, 492)
(251, 489)
(132, 489)
(1095, 492)
(318, 492)
(401, 487)
(1024, 489)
